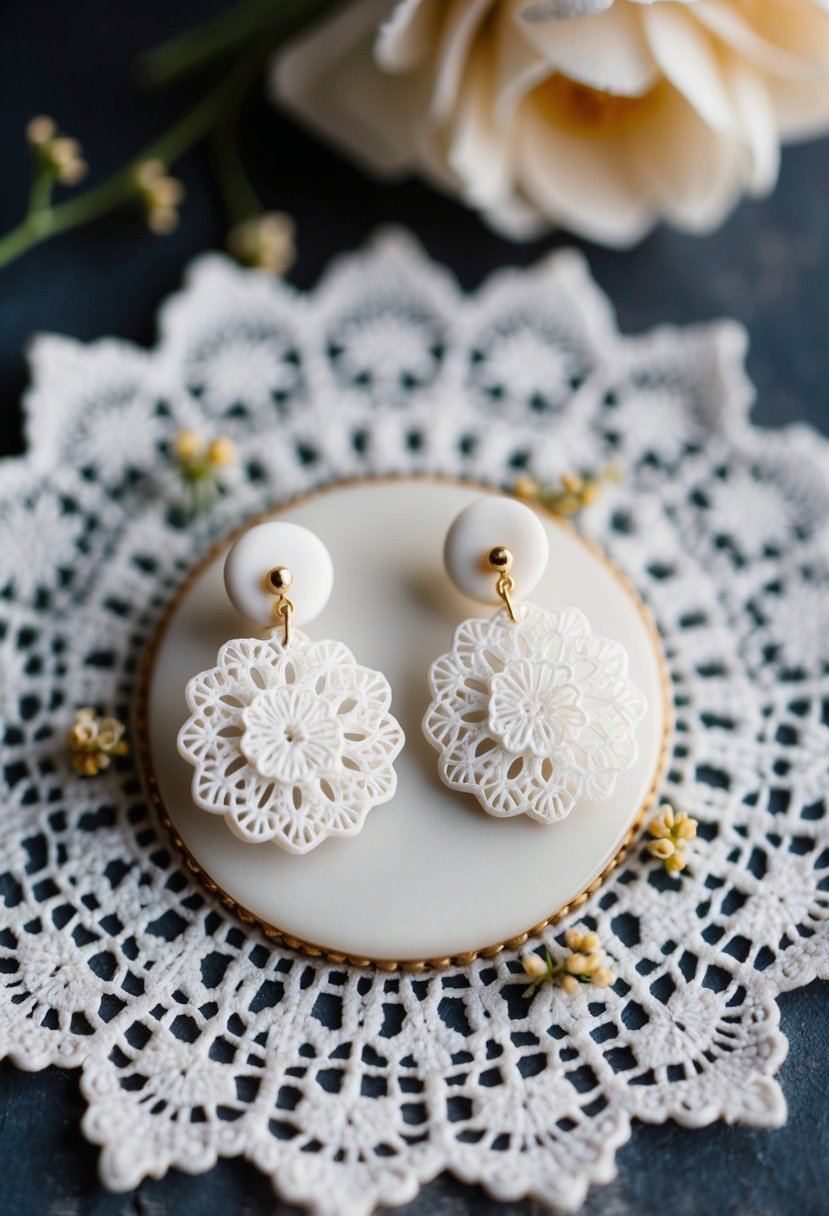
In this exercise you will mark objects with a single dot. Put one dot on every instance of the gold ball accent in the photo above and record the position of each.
(500, 559)
(279, 579)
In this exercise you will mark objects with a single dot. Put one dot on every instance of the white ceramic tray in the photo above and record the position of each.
(431, 878)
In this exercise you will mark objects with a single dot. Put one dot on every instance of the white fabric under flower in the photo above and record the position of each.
(291, 744)
(147, 976)
(533, 715)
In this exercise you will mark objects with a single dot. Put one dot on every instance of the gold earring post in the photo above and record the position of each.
(278, 580)
(500, 559)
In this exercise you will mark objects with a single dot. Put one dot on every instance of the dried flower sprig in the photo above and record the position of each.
(672, 830)
(94, 741)
(57, 158)
(160, 196)
(202, 466)
(574, 492)
(237, 44)
(585, 964)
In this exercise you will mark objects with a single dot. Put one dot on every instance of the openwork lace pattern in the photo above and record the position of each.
(197, 1038)
(290, 744)
(533, 715)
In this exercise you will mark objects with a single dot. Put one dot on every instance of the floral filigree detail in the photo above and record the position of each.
(291, 735)
(291, 744)
(534, 716)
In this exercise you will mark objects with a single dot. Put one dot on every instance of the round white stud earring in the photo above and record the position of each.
(292, 740)
(531, 712)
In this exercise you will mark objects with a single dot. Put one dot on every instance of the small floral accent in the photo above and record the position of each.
(160, 196)
(575, 491)
(290, 734)
(202, 465)
(533, 706)
(265, 241)
(57, 156)
(93, 741)
(584, 964)
(671, 831)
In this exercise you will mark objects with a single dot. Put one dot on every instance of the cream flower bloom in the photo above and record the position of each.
(533, 716)
(602, 116)
(291, 744)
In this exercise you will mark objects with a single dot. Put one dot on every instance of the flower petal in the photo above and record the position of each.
(608, 51)
(688, 59)
(588, 185)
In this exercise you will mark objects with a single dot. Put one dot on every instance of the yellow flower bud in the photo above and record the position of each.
(573, 939)
(576, 964)
(666, 812)
(590, 493)
(41, 129)
(110, 733)
(592, 962)
(148, 172)
(661, 849)
(221, 452)
(64, 150)
(526, 487)
(188, 445)
(162, 220)
(572, 482)
(73, 172)
(675, 864)
(569, 983)
(534, 966)
(590, 942)
(687, 830)
(602, 978)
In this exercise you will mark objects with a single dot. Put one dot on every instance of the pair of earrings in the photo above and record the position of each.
(293, 741)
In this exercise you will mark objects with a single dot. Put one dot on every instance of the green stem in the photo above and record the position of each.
(240, 199)
(43, 183)
(41, 224)
(222, 35)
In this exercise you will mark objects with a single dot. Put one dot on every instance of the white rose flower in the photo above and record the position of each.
(602, 116)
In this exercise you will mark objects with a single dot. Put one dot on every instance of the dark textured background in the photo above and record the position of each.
(767, 267)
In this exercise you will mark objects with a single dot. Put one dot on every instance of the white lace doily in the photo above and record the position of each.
(196, 1037)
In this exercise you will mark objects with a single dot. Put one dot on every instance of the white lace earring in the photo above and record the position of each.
(291, 740)
(530, 711)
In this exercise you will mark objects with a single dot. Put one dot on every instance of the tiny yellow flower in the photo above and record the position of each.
(188, 445)
(569, 984)
(534, 966)
(41, 129)
(221, 452)
(160, 195)
(573, 939)
(686, 827)
(59, 155)
(602, 978)
(572, 482)
(93, 742)
(590, 942)
(663, 849)
(265, 242)
(671, 831)
(575, 964)
(526, 487)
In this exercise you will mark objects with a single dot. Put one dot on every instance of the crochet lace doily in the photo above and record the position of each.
(196, 1037)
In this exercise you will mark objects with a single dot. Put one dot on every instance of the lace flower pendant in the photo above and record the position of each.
(535, 715)
(531, 712)
(291, 740)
